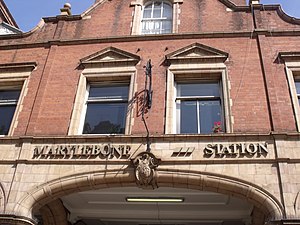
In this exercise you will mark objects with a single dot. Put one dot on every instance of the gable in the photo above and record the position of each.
(5, 15)
(110, 55)
(198, 52)
(8, 29)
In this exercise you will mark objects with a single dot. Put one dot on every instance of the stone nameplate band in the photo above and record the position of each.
(109, 151)
(82, 151)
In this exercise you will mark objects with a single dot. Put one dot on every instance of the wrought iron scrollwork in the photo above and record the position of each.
(147, 101)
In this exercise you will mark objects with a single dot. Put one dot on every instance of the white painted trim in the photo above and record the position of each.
(84, 108)
(138, 15)
(101, 74)
(17, 77)
(194, 70)
(291, 68)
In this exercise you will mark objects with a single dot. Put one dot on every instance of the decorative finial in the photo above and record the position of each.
(66, 10)
(254, 2)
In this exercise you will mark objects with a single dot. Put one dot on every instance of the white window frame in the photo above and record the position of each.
(110, 65)
(101, 75)
(198, 99)
(192, 72)
(7, 102)
(161, 19)
(16, 76)
(297, 80)
(292, 67)
(84, 109)
(293, 74)
(138, 7)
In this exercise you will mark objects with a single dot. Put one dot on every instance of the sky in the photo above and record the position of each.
(28, 13)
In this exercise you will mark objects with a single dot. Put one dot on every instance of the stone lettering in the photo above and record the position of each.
(209, 150)
(240, 149)
(126, 151)
(82, 151)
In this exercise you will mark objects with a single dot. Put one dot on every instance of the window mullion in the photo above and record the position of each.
(152, 10)
(198, 117)
(107, 100)
(8, 103)
(161, 9)
(198, 97)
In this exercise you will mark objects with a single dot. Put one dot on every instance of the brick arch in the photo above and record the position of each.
(52, 190)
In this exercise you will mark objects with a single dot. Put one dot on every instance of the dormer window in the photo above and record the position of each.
(157, 18)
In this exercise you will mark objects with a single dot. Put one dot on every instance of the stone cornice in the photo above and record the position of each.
(165, 137)
(288, 56)
(197, 52)
(279, 10)
(108, 56)
(55, 19)
(235, 7)
(23, 65)
(261, 7)
(133, 38)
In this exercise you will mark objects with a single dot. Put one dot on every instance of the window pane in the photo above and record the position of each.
(210, 112)
(147, 26)
(9, 95)
(105, 118)
(7, 113)
(157, 27)
(157, 13)
(157, 5)
(167, 11)
(297, 83)
(166, 26)
(109, 92)
(188, 117)
(147, 13)
(203, 89)
(157, 18)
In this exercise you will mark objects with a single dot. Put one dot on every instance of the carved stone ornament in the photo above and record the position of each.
(2, 199)
(145, 164)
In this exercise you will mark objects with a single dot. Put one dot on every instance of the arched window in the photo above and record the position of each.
(157, 18)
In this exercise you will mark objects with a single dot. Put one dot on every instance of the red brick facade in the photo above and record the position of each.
(253, 36)
(259, 90)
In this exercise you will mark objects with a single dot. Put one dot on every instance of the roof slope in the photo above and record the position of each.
(5, 15)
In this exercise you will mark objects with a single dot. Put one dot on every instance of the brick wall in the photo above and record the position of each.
(259, 90)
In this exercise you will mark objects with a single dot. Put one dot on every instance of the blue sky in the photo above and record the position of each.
(28, 13)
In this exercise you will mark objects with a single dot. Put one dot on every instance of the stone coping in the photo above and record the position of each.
(157, 138)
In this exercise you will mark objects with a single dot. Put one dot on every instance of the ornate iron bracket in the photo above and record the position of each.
(147, 101)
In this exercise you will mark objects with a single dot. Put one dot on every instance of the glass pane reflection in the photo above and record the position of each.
(105, 118)
(7, 113)
(188, 117)
(202, 89)
(9, 95)
(109, 91)
(297, 83)
(210, 112)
